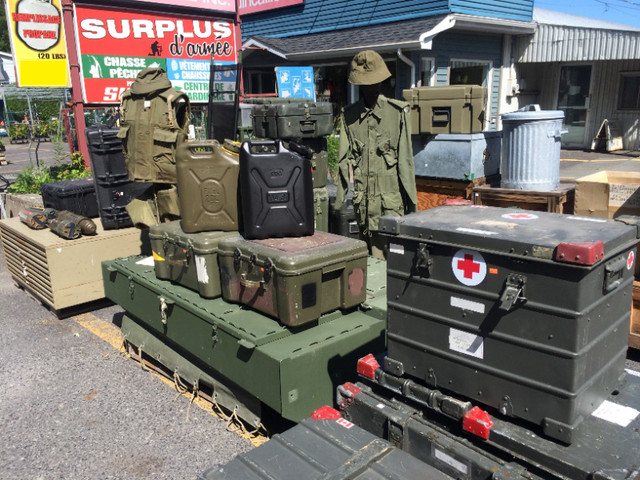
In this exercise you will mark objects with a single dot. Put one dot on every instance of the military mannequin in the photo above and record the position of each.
(375, 143)
(154, 118)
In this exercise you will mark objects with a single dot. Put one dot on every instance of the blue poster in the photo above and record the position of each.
(295, 82)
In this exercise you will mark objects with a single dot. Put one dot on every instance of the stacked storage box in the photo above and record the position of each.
(452, 153)
(524, 312)
(302, 122)
(114, 191)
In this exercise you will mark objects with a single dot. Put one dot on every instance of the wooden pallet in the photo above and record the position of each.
(634, 325)
(558, 201)
(433, 192)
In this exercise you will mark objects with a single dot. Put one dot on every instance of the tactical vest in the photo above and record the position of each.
(154, 117)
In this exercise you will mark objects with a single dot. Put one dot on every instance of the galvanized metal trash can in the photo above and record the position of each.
(531, 149)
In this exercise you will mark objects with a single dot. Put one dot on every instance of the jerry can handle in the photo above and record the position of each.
(248, 146)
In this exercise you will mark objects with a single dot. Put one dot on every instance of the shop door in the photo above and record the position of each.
(573, 99)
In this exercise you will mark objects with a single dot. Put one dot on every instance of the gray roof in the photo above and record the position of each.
(391, 35)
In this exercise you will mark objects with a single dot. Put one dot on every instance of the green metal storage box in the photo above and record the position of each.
(293, 372)
(303, 119)
(526, 312)
(447, 109)
(294, 279)
(188, 259)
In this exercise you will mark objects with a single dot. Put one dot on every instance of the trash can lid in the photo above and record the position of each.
(532, 112)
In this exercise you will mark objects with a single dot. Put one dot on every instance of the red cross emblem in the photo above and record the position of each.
(469, 267)
(630, 260)
(520, 216)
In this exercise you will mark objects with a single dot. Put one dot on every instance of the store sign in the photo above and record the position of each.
(254, 6)
(115, 45)
(224, 6)
(38, 43)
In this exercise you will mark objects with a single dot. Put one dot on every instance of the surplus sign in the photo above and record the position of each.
(115, 45)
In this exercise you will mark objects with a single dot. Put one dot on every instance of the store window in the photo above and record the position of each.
(427, 72)
(629, 92)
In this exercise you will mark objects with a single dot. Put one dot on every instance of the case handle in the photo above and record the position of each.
(441, 116)
(613, 273)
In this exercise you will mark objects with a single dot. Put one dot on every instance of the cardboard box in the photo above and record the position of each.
(608, 194)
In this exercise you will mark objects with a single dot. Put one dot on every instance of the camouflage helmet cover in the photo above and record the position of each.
(368, 68)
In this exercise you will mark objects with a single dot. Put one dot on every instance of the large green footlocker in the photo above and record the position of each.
(242, 353)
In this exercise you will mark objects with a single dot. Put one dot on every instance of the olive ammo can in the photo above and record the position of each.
(294, 279)
(188, 259)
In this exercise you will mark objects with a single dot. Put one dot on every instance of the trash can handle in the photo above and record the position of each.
(531, 107)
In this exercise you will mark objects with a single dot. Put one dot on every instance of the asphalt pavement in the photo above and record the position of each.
(75, 406)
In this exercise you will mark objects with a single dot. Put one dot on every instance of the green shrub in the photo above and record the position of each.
(31, 178)
(333, 142)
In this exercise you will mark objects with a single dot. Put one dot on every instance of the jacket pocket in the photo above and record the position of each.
(392, 203)
(386, 151)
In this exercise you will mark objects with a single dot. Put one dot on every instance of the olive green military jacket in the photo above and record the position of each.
(376, 143)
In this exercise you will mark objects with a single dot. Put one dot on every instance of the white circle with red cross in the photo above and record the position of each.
(469, 267)
(630, 260)
(520, 216)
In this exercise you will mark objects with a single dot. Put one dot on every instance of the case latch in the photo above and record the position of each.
(513, 291)
(423, 259)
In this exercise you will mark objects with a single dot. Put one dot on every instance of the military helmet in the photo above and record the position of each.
(368, 68)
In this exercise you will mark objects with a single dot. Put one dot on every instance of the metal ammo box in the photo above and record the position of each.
(447, 109)
(525, 312)
(188, 259)
(294, 279)
(304, 119)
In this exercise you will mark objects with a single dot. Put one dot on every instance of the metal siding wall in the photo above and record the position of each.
(555, 43)
(544, 78)
(604, 102)
(326, 15)
(511, 10)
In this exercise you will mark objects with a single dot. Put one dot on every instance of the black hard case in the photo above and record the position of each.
(536, 327)
(77, 196)
(342, 221)
(114, 191)
(276, 191)
(325, 447)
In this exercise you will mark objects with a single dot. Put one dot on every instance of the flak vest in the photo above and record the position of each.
(154, 118)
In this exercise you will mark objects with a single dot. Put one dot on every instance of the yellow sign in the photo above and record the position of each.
(38, 43)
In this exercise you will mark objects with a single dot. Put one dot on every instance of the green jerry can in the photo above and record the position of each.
(207, 176)
(291, 371)
(294, 279)
(526, 312)
(188, 259)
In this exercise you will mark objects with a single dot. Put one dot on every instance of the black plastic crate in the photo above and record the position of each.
(77, 196)
(114, 190)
